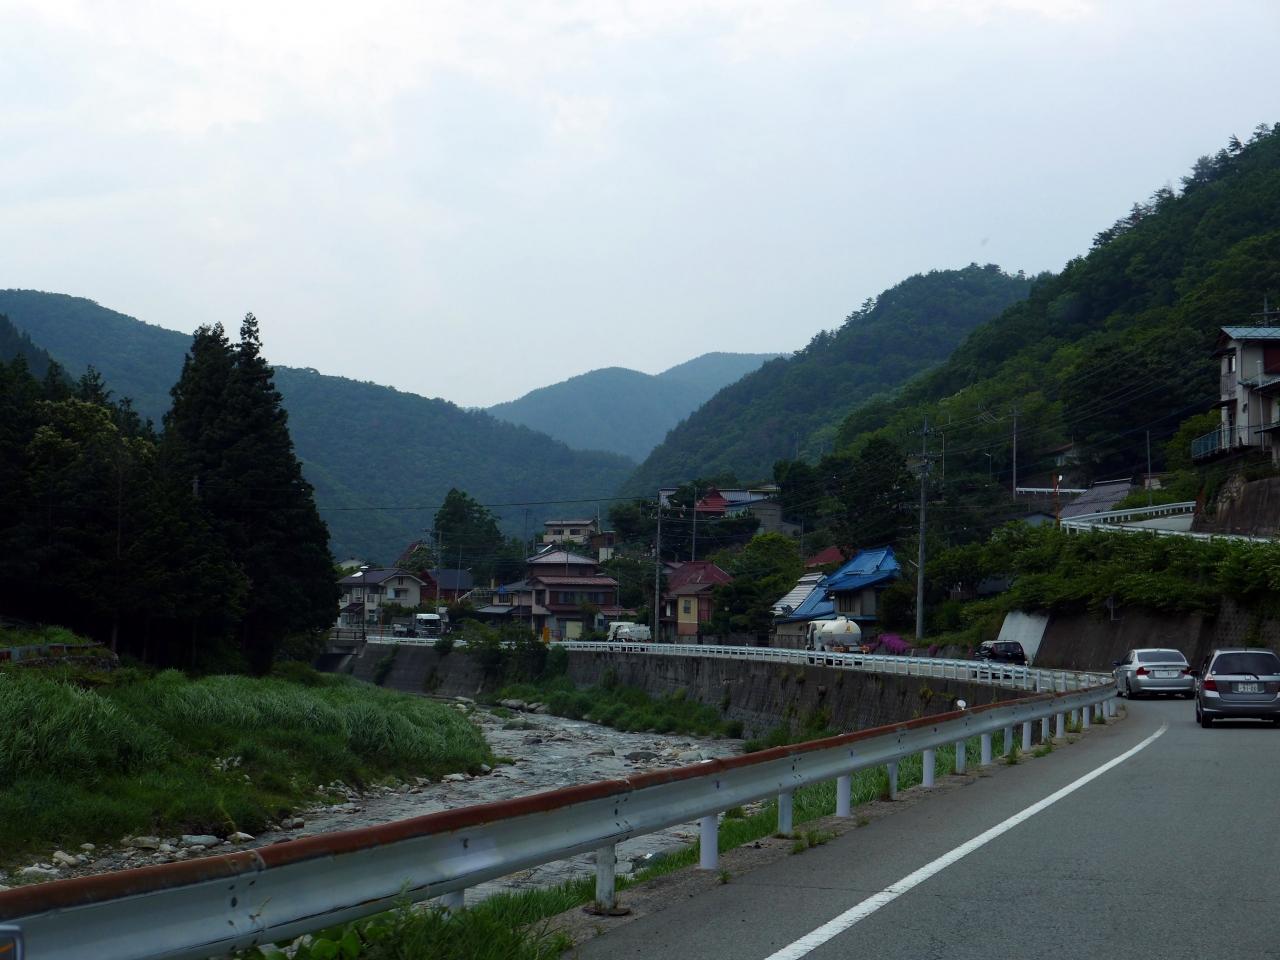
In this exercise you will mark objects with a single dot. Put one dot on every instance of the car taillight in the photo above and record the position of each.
(1210, 683)
(1140, 672)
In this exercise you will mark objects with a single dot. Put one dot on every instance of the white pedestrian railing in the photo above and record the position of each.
(210, 906)
(975, 671)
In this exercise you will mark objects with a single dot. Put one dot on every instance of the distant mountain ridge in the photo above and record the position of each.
(622, 410)
(381, 461)
(793, 405)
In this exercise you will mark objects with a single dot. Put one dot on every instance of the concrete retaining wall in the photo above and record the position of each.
(761, 695)
(1082, 642)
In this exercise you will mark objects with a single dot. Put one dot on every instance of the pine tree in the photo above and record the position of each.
(228, 430)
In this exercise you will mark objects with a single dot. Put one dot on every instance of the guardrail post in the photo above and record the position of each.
(892, 767)
(1060, 726)
(1026, 736)
(1111, 708)
(455, 901)
(606, 872)
(784, 812)
(1084, 718)
(928, 762)
(1044, 729)
(844, 795)
(959, 756)
(709, 842)
(986, 749)
(1006, 744)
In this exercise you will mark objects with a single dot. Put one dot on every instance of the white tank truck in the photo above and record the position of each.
(840, 635)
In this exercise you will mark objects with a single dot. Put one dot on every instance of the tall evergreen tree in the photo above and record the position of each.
(229, 432)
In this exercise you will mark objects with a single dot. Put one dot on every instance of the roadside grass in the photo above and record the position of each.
(623, 708)
(87, 756)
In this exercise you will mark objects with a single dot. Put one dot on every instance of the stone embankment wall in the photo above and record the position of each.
(1083, 642)
(761, 695)
(1252, 509)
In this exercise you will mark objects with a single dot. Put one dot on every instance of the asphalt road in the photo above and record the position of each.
(1174, 852)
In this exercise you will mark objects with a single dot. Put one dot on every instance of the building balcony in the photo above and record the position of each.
(1228, 439)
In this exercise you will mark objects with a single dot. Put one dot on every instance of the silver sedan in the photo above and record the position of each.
(1153, 670)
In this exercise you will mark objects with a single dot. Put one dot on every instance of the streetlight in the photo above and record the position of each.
(988, 456)
(364, 602)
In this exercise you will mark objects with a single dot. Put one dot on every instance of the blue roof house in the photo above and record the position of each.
(851, 591)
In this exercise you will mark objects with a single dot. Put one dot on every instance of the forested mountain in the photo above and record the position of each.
(1117, 344)
(623, 410)
(793, 404)
(15, 343)
(381, 461)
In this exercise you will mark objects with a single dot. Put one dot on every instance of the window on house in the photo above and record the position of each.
(573, 531)
(686, 606)
(400, 580)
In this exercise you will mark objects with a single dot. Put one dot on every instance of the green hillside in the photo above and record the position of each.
(15, 343)
(1117, 344)
(381, 461)
(623, 410)
(794, 403)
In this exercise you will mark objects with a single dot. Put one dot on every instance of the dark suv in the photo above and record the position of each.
(1002, 651)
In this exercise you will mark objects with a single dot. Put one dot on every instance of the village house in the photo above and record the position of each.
(686, 603)
(852, 591)
(1248, 394)
(562, 596)
(570, 531)
(365, 592)
(760, 502)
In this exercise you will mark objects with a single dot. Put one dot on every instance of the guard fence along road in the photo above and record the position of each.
(977, 671)
(207, 907)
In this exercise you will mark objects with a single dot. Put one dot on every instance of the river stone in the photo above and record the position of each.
(454, 777)
(198, 840)
(88, 847)
(240, 837)
(543, 708)
(512, 704)
(37, 872)
(690, 756)
(601, 753)
(145, 843)
(638, 756)
(64, 859)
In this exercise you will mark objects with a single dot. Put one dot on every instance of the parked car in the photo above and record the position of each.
(1238, 683)
(1154, 670)
(1001, 651)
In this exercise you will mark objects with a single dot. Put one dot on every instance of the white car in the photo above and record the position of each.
(1153, 670)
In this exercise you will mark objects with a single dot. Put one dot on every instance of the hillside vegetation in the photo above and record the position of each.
(381, 461)
(1118, 343)
(626, 411)
(793, 404)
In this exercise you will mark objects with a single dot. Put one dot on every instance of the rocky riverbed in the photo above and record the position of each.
(537, 752)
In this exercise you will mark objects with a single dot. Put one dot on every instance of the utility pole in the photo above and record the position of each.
(693, 549)
(439, 564)
(924, 487)
(1015, 452)
(657, 572)
(1148, 468)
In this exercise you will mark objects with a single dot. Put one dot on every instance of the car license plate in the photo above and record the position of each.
(1248, 688)
(1166, 674)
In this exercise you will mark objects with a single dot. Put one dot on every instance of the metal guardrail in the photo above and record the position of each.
(976, 671)
(1073, 527)
(210, 906)
(1135, 513)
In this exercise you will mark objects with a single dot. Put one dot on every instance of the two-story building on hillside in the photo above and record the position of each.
(562, 596)
(1248, 394)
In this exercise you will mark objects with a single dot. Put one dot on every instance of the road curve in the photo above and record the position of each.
(1174, 852)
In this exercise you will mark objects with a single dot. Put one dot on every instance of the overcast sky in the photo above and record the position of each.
(470, 200)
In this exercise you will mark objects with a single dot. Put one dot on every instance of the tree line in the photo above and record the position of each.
(198, 545)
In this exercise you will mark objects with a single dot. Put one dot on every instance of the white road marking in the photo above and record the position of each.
(833, 928)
